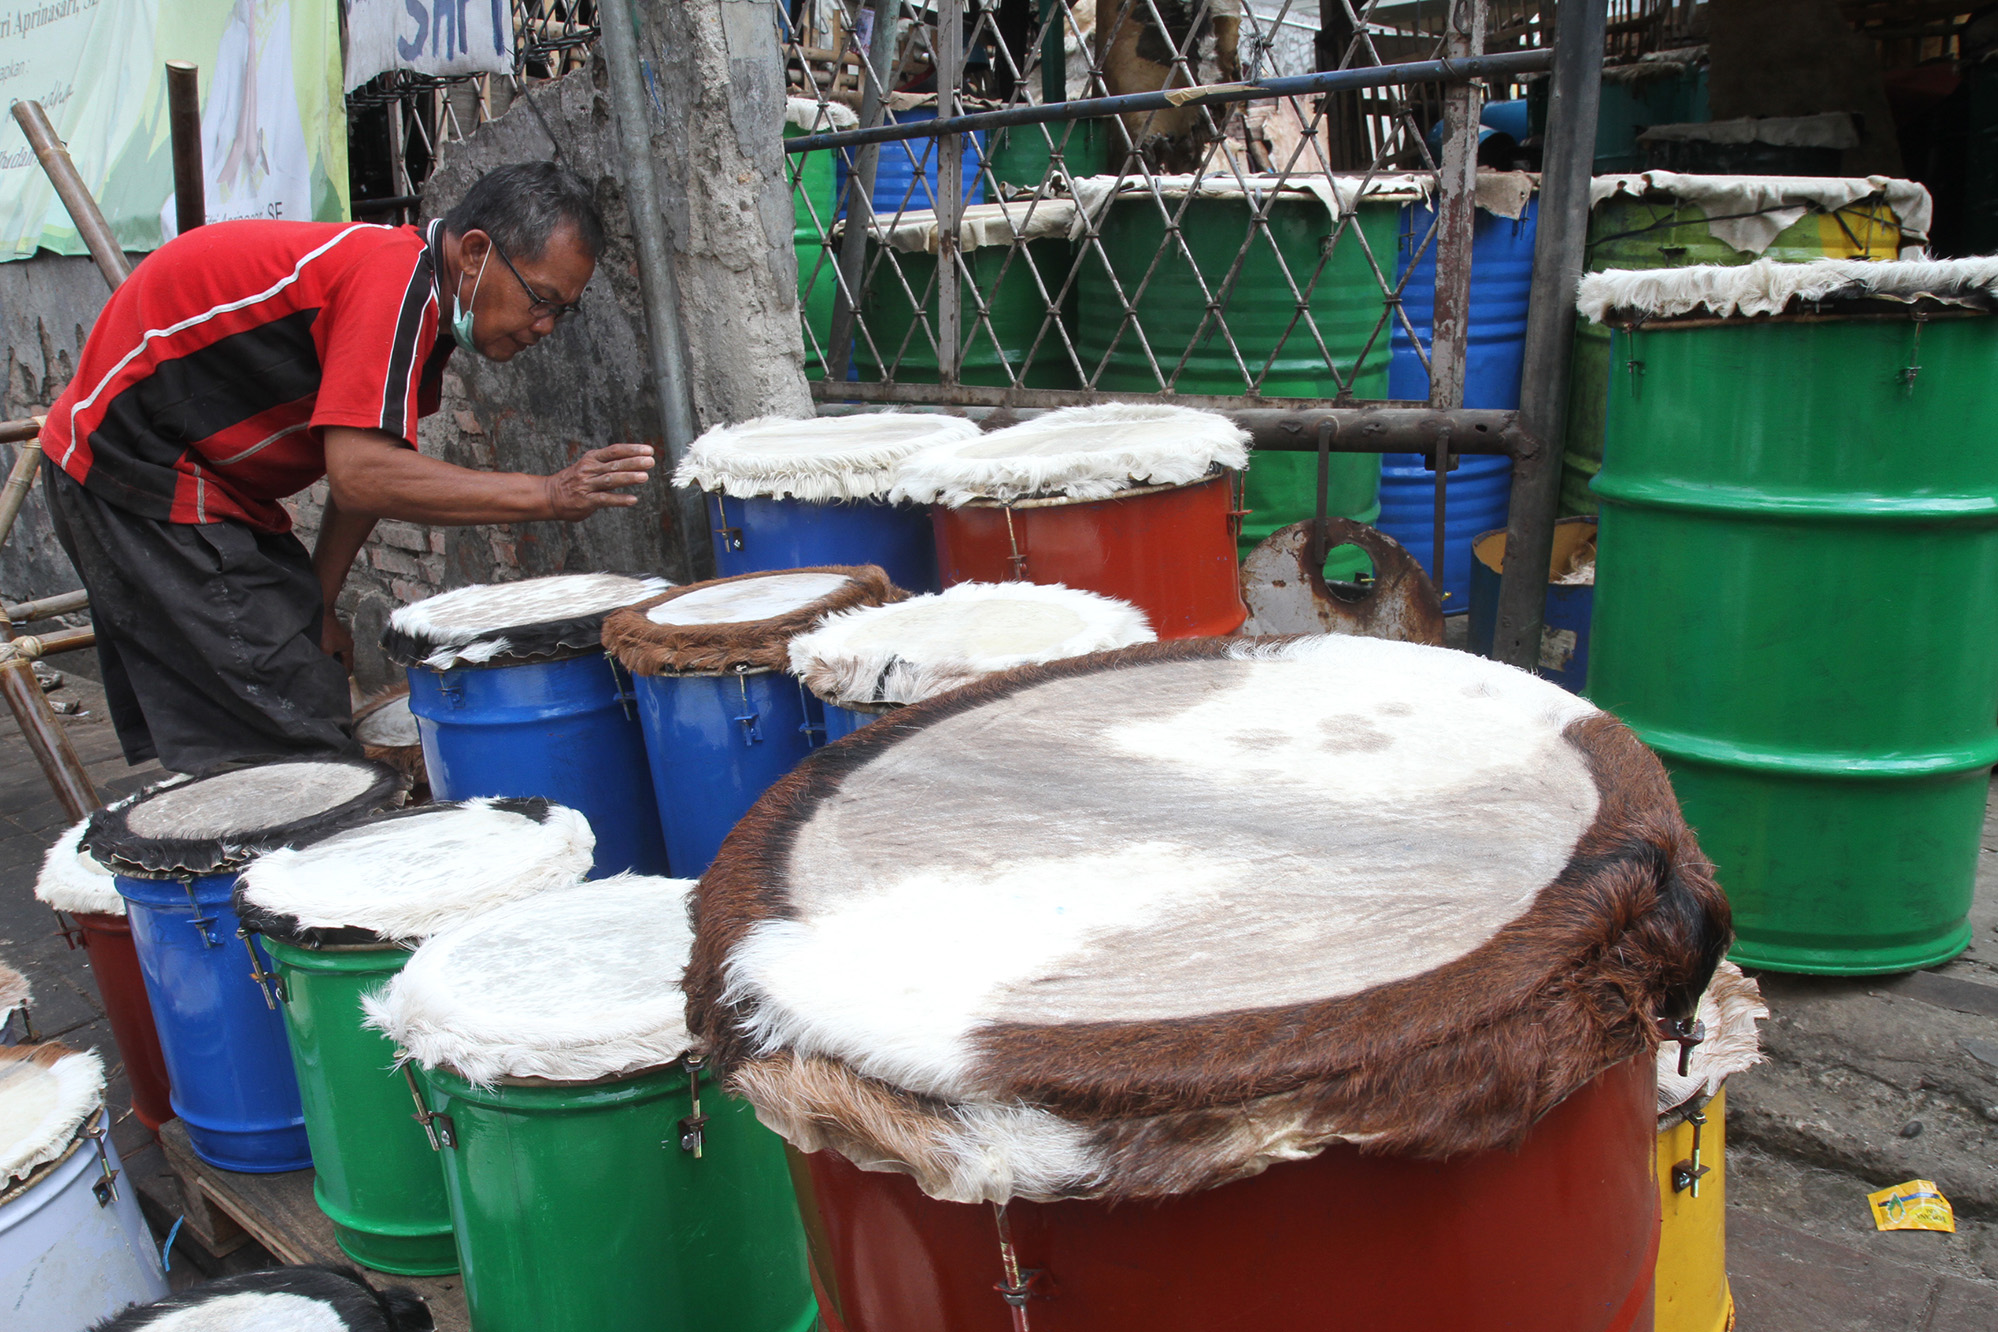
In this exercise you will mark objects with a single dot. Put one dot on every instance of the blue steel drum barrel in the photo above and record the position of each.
(1571, 599)
(1480, 488)
(514, 696)
(722, 718)
(864, 664)
(175, 852)
(905, 172)
(785, 494)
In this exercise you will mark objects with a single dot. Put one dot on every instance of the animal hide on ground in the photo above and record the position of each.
(314, 1298)
(685, 629)
(1146, 922)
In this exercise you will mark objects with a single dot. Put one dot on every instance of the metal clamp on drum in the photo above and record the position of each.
(722, 720)
(176, 851)
(593, 1182)
(513, 697)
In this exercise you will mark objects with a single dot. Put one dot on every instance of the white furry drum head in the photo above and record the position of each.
(406, 875)
(534, 618)
(46, 1092)
(73, 880)
(1082, 453)
(572, 984)
(13, 991)
(1729, 1010)
(926, 645)
(742, 623)
(1769, 286)
(390, 726)
(1147, 921)
(818, 459)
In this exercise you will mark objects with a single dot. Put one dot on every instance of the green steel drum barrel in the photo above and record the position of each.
(1169, 262)
(1659, 220)
(1797, 581)
(1015, 340)
(812, 210)
(598, 1179)
(339, 916)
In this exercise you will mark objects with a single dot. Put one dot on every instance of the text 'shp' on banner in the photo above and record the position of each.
(441, 37)
(273, 121)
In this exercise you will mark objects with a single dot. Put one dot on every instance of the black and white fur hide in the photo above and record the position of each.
(315, 1298)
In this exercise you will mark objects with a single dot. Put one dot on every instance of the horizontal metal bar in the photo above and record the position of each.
(68, 603)
(1506, 65)
(33, 647)
(13, 432)
(1375, 428)
(974, 395)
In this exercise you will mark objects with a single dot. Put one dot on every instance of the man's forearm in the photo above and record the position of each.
(374, 474)
(342, 533)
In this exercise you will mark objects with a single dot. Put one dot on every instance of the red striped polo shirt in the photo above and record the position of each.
(204, 385)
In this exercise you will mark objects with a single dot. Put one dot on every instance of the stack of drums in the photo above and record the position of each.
(1191, 923)
(14, 996)
(1133, 502)
(73, 1247)
(74, 883)
(339, 916)
(513, 696)
(1693, 1294)
(1018, 304)
(388, 734)
(1789, 442)
(176, 852)
(812, 207)
(596, 1178)
(786, 494)
(865, 663)
(1290, 272)
(722, 720)
(1480, 486)
(1658, 219)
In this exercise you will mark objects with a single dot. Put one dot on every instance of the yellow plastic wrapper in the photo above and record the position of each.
(1916, 1205)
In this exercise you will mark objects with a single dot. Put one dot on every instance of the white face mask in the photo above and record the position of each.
(461, 316)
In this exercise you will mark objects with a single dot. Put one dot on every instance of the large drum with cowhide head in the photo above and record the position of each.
(513, 696)
(1135, 502)
(1346, 958)
(175, 852)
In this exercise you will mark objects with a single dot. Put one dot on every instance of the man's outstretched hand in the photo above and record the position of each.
(598, 480)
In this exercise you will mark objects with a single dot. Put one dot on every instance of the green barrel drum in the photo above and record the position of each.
(1020, 156)
(597, 1179)
(1797, 582)
(813, 208)
(1644, 225)
(1173, 261)
(339, 916)
(1021, 337)
(375, 1176)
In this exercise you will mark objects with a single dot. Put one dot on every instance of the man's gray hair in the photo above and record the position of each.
(522, 205)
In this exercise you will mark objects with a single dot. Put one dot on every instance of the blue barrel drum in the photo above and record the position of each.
(722, 718)
(785, 494)
(513, 696)
(175, 853)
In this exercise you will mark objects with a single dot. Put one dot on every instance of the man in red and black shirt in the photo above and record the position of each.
(237, 365)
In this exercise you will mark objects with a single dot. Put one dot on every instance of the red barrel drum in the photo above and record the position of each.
(1341, 1242)
(123, 989)
(1168, 550)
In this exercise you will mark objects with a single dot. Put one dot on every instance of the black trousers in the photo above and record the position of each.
(208, 634)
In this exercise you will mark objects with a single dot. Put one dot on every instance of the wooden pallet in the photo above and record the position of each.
(278, 1212)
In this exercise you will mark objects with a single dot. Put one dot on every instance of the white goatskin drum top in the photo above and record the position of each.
(1771, 287)
(760, 598)
(926, 645)
(73, 880)
(46, 1092)
(534, 618)
(217, 822)
(14, 991)
(1082, 453)
(1729, 1010)
(741, 623)
(573, 984)
(406, 875)
(1149, 920)
(819, 459)
(390, 726)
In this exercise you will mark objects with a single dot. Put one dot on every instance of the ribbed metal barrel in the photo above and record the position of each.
(1627, 232)
(1481, 487)
(812, 205)
(997, 347)
(1797, 587)
(1149, 260)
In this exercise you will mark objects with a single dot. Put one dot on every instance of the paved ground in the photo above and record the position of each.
(1869, 1083)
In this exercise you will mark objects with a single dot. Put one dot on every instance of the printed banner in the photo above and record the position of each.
(273, 120)
(442, 37)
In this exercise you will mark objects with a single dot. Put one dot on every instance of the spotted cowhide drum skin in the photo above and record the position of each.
(1146, 922)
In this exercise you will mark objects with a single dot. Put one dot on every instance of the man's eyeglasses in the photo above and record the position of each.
(541, 305)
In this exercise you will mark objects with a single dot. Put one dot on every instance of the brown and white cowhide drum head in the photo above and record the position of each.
(1146, 922)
